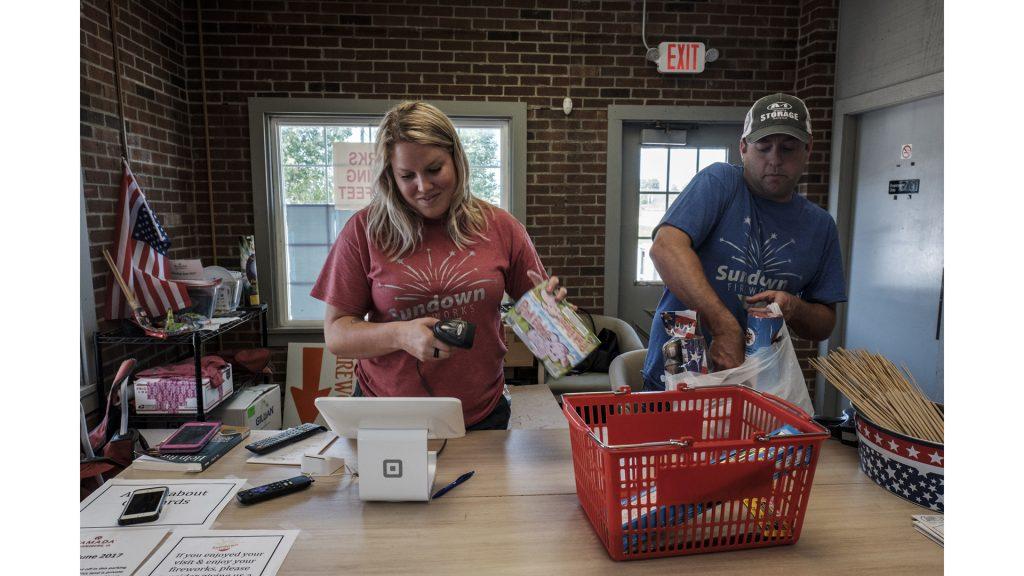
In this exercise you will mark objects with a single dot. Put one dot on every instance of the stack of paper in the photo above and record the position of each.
(190, 509)
(931, 526)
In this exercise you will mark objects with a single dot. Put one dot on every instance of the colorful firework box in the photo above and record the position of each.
(552, 331)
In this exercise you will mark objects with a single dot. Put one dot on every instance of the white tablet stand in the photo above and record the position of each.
(392, 434)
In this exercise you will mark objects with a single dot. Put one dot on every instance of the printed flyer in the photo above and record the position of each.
(116, 552)
(189, 503)
(224, 552)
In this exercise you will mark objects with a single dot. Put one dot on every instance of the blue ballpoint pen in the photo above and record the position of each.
(457, 481)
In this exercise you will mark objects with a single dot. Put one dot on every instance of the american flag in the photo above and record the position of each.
(142, 257)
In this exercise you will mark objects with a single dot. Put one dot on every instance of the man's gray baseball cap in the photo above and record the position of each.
(777, 114)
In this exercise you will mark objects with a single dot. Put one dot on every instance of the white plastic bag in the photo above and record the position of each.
(773, 370)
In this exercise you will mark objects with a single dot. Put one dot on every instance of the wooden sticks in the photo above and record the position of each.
(883, 393)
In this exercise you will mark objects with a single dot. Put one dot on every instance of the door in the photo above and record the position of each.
(658, 161)
(896, 249)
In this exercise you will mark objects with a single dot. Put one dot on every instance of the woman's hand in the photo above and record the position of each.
(552, 286)
(418, 340)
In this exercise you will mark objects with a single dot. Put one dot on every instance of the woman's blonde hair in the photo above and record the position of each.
(397, 228)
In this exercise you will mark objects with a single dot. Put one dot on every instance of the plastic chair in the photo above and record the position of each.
(626, 369)
(596, 381)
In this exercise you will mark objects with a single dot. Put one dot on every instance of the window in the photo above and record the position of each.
(298, 163)
(665, 171)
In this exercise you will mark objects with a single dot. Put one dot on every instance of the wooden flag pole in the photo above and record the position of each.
(137, 310)
(117, 79)
(206, 134)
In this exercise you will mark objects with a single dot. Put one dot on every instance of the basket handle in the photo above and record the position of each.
(684, 442)
(682, 387)
(785, 404)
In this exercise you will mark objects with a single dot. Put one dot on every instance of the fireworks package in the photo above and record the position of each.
(247, 253)
(763, 326)
(552, 331)
(771, 365)
(685, 351)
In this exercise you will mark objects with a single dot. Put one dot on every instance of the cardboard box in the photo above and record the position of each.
(518, 355)
(178, 395)
(257, 407)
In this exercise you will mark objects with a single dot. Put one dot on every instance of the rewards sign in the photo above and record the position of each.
(313, 371)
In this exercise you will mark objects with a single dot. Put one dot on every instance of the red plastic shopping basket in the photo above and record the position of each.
(691, 471)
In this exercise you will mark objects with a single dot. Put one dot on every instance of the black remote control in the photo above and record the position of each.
(285, 438)
(274, 489)
(458, 333)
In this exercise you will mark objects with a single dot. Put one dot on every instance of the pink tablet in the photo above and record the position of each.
(190, 438)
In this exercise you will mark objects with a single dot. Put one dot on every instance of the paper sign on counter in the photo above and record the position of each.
(116, 552)
(189, 504)
(224, 552)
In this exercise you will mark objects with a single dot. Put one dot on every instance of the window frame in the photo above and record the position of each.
(270, 246)
(87, 324)
(667, 192)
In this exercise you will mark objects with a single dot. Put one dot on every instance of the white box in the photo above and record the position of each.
(178, 395)
(256, 407)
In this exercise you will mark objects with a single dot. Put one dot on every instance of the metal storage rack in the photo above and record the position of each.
(129, 334)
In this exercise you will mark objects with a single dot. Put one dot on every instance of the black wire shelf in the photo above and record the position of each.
(129, 333)
(193, 344)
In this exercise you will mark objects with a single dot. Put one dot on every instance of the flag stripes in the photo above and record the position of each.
(142, 246)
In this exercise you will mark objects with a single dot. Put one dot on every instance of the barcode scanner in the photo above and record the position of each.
(458, 333)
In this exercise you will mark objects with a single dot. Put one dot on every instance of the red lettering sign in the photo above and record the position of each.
(681, 57)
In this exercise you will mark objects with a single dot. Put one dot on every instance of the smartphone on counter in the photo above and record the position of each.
(144, 505)
(190, 438)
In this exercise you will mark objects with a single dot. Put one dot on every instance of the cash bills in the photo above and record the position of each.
(931, 526)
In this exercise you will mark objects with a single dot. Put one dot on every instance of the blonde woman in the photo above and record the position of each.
(426, 250)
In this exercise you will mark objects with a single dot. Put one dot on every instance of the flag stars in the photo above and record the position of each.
(746, 220)
(894, 446)
(936, 458)
(912, 452)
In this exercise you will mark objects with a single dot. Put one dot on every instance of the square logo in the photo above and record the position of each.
(392, 468)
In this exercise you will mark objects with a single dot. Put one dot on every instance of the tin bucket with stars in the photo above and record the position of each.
(908, 467)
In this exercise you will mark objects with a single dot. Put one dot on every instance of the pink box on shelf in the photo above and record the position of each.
(176, 395)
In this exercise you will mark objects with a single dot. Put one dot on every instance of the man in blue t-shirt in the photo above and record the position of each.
(741, 234)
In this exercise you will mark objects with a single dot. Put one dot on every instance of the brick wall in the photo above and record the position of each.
(533, 51)
(155, 97)
(815, 82)
(530, 51)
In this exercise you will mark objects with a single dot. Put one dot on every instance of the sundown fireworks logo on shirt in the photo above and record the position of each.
(552, 331)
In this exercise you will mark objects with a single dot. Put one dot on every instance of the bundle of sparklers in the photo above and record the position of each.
(883, 393)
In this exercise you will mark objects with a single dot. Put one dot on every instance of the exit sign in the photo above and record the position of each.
(681, 57)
